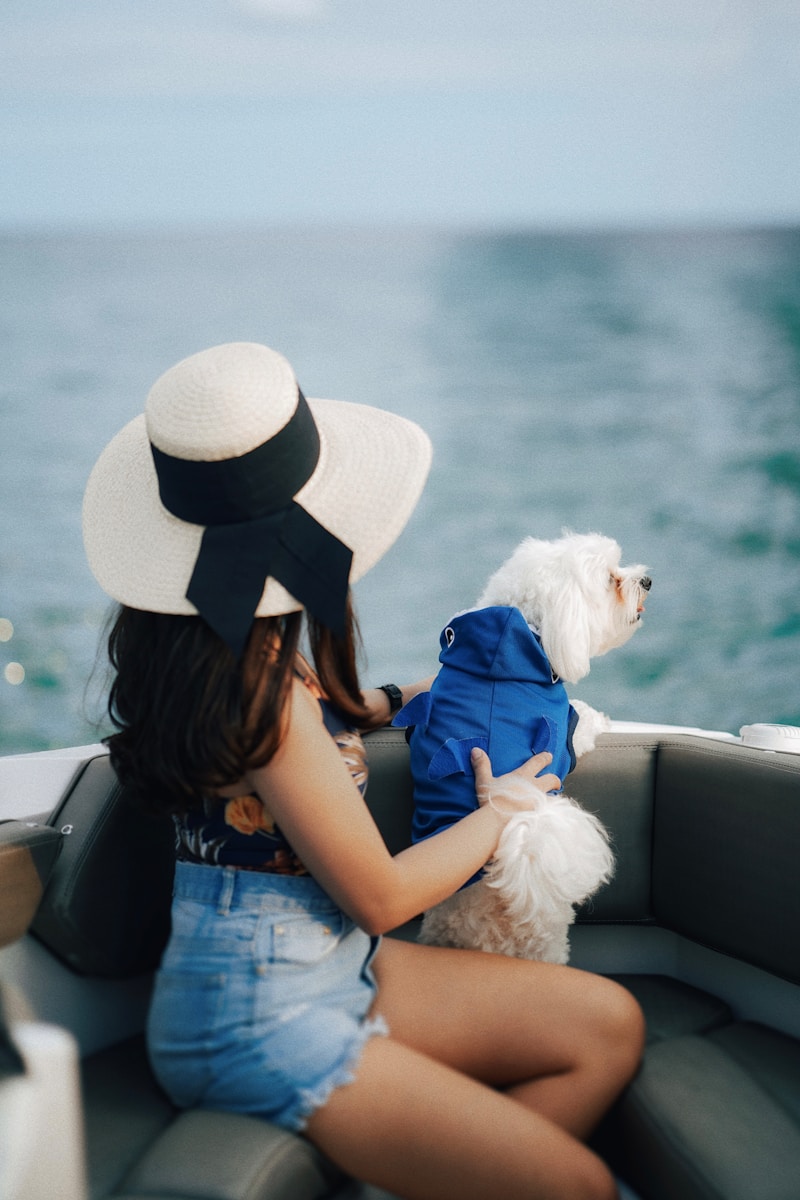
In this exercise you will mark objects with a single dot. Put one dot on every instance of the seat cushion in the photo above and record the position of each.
(772, 1058)
(673, 1008)
(124, 1111)
(227, 1156)
(702, 1123)
(139, 1145)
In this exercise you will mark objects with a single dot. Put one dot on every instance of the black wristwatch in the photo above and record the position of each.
(395, 697)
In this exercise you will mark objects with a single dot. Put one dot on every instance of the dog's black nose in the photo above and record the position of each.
(645, 583)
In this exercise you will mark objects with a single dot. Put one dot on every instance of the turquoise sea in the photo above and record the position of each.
(646, 385)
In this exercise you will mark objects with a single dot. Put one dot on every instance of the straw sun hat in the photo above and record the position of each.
(233, 496)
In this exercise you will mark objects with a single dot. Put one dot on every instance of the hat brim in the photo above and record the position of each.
(371, 471)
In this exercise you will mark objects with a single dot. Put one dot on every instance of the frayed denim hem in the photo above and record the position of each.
(311, 1099)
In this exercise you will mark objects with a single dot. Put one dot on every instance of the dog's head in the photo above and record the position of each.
(574, 592)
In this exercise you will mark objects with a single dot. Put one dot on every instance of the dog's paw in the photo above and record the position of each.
(591, 724)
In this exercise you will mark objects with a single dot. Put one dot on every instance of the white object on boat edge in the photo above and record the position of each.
(772, 737)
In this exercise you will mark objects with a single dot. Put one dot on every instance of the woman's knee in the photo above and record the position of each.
(584, 1176)
(621, 1025)
(601, 1186)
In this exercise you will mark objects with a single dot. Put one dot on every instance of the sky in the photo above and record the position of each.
(556, 113)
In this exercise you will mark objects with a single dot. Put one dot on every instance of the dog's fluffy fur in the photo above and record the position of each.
(575, 595)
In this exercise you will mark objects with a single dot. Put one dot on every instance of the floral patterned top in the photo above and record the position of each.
(239, 832)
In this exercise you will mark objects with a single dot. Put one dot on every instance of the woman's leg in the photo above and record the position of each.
(561, 1041)
(554, 1045)
(426, 1132)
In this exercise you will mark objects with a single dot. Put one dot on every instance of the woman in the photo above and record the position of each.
(227, 518)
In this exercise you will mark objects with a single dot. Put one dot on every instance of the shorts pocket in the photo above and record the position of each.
(303, 940)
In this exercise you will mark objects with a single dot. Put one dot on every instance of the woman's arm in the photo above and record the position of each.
(311, 795)
(377, 701)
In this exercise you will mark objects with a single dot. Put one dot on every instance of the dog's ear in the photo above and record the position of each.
(565, 632)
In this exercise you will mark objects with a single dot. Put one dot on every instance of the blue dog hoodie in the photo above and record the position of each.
(495, 689)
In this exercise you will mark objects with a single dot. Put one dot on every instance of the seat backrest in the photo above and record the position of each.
(617, 782)
(106, 908)
(726, 849)
(706, 836)
(390, 790)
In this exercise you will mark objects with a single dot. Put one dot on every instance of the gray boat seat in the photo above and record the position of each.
(707, 837)
(705, 857)
(714, 1113)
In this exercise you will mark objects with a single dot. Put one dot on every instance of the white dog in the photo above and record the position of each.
(543, 616)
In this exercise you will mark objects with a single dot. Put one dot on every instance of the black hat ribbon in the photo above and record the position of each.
(255, 529)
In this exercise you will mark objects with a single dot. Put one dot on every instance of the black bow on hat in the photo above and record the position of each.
(256, 529)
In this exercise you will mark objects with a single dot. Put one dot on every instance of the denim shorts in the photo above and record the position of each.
(262, 999)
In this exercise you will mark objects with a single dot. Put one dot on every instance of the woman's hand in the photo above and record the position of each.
(515, 791)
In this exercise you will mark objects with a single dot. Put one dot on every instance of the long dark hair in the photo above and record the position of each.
(190, 718)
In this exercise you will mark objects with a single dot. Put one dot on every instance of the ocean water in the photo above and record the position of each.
(645, 385)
